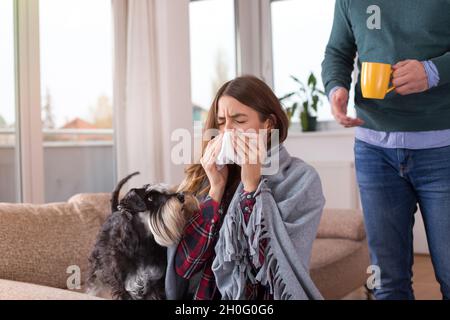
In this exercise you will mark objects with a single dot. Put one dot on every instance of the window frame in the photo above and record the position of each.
(236, 37)
(28, 101)
(322, 125)
(254, 45)
(29, 132)
(254, 55)
(253, 38)
(16, 130)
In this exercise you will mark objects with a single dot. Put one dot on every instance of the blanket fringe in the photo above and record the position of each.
(241, 249)
(269, 274)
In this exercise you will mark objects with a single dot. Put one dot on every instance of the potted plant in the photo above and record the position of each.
(309, 97)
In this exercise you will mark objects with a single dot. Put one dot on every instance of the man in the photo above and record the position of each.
(402, 146)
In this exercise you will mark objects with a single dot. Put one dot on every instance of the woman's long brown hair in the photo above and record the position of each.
(253, 93)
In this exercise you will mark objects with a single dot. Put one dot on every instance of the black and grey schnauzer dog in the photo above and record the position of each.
(129, 258)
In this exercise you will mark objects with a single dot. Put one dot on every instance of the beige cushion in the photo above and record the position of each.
(39, 242)
(101, 201)
(342, 224)
(339, 266)
(12, 290)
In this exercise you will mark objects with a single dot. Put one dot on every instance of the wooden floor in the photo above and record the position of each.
(424, 282)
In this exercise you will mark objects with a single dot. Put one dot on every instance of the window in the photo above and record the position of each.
(8, 159)
(300, 33)
(213, 51)
(76, 92)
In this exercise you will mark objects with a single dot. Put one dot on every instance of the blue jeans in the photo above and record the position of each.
(392, 183)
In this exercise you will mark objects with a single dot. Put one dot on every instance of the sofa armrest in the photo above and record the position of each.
(342, 224)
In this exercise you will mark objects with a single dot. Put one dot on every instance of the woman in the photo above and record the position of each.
(252, 236)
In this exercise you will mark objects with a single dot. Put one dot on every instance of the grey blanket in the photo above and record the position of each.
(287, 211)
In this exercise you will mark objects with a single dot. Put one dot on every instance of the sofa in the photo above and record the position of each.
(44, 249)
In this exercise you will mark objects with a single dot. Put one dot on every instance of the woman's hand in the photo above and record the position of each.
(251, 153)
(217, 178)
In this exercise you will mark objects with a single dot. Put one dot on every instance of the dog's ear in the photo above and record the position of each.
(134, 201)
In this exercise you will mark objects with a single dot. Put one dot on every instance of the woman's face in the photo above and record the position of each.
(233, 115)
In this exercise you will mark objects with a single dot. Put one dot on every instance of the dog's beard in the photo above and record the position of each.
(168, 223)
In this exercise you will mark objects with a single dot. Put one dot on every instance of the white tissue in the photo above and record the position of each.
(227, 155)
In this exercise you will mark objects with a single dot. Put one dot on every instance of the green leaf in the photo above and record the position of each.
(305, 106)
(321, 92)
(312, 81)
(294, 107)
(315, 100)
(302, 86)
(287, 96)
(309, 96)
(296, 79)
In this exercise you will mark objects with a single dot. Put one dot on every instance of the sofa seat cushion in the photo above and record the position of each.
(342, 224)
(338, 266)
(13, 290)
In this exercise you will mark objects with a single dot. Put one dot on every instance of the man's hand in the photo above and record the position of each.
(410, 77)
(339, 102)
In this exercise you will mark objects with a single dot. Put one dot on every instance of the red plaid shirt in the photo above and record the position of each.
(196, 250)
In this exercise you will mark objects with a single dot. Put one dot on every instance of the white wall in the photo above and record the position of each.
(331, 153)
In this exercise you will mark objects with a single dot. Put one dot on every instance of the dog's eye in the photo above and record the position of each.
(150, 198)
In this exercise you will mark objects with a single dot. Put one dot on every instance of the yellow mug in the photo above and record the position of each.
(375, 79)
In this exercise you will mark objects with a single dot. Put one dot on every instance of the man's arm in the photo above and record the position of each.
(337, 66)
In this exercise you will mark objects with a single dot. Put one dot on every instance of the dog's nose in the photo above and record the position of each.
(180, 197)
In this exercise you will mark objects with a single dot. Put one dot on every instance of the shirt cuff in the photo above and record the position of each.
(210, 209)
(247, 201)
(332, 91)
(432, 73)
(247, 195)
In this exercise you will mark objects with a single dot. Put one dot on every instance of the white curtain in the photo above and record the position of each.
(137, 109)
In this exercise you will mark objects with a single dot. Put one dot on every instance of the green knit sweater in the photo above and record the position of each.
(390, 31)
